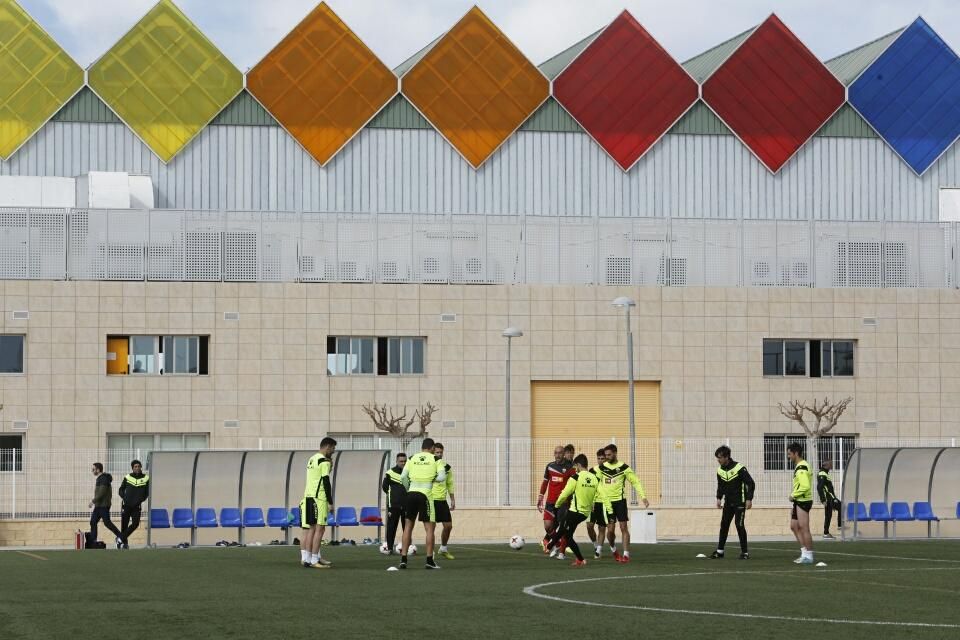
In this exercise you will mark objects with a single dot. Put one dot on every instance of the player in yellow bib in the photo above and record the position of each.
(418, 476)
(316, 504)
(581, 491)
(802, 499)
(444, 500)
(614, 475)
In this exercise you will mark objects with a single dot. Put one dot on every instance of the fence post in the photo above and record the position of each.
(13, 484)
(496, 465)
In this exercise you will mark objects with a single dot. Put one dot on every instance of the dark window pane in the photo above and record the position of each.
(827, 358)
(795, 358)
(773, 357)
(418, 349)
(366, 355)
(11, 354)
(815, 355)
(166, 346)
(11, 453)
(331, 344)
(394, 356)
(382, 358)
(406, 355)
(843, 358)
(774, 453)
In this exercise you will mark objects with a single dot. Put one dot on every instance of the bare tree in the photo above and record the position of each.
(825, 416)
(399, 426)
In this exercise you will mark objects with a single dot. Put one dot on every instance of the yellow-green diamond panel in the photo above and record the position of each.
(37, 77)
(165, 80)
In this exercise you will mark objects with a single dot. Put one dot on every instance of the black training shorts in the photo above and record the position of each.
(599, 515)
(620, 510)
(418, 507)
(441, 511)
(806, 506)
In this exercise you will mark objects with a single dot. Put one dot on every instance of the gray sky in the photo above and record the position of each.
(247, 29)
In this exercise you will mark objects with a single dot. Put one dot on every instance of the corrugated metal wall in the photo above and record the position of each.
(383, 170)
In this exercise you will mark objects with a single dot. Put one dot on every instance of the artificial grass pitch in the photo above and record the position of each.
(487, 591)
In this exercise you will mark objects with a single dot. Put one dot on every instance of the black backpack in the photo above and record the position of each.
(90, 543)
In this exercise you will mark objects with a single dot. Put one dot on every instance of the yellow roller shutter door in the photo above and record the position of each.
(590, 415)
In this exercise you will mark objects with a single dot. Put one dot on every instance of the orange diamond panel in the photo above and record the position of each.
(475, 87)
(322, 83)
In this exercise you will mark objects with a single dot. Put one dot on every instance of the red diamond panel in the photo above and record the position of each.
(773, 93)
(625, 90)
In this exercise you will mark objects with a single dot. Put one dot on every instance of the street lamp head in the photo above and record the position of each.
(624, 301)
(512, 332)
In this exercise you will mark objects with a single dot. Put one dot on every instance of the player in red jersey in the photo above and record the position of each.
(554, 480)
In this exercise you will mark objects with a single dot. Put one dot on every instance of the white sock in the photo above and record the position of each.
(314, 557)
(443, 548)
(719, 552)
(626, 554)
(599, 548)
(304, 556)
(808, 553)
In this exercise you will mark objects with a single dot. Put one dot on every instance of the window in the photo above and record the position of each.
(837, 448)
(11, 353)
(813, 358)
(784, 357)
(123, 447)
(349, 356)
(380, 356)
(11, 452)
(157, 355)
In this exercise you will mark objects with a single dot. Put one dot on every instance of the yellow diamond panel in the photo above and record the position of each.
(165, 80)
(475, 87)
(322, 83)
(37, 77)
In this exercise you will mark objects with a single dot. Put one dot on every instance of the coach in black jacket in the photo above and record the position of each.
(735, 490)
(133, 491)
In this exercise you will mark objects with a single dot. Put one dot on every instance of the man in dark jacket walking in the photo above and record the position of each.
(735, 490)
(102, 498)
(829, 499)
(133, 491)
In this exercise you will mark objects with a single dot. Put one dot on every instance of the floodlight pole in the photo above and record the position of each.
(626, 303)
(509, 333)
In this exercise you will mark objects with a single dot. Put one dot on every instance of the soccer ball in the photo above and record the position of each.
(384, 549)
(517, 542)
(411, 550)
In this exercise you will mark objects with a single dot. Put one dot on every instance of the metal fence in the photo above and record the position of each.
(45, 483)
(237, 246)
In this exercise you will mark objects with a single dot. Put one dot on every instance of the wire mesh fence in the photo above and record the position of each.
(275, 246)
(489, 472)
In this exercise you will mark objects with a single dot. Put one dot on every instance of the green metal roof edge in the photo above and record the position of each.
(399, 114)
(848, 66)
(846, 123)
(553, 66)
(700, 120)
(85, 106)
(245, 111)
(551, 118)
(703, 65)
(410, 62)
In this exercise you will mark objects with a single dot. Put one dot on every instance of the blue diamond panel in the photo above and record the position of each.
(911, 96)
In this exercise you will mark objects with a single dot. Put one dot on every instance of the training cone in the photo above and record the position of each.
(392, 569)
(701, 555)
(821, 564)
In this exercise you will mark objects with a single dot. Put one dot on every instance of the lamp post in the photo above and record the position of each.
(509, 333)
(625, 303)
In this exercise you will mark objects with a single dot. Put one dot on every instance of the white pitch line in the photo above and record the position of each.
(861, 555)
(532, 591)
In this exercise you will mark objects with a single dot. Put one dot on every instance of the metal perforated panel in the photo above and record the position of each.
(279, 239)
(14, 243)
(48, 228)
(504, 255)
(355, 248)
(394, 249)
(468, 248)
(649, 250)
(88, 229)
(203, 245)
(541, 246)
(318, 248)
(123, 254)
(578, 255)
(241, 240)
(901, 258)
(431, 249)
(165, 253)
(721, 254)
(687, 247)
(615, 252)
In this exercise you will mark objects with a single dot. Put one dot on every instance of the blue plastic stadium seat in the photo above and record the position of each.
(370, 517)
(295, 517)
(183, 518)
(923, 512)
(331, 521)
(277, 517)
(347, 517)
(879, 512)
(857, 511)
(159, 519)
(206, 518)
(229, 517)
(958, 510)
(900, 511)
(253, 517)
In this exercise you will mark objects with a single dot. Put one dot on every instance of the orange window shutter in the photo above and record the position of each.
(117, 351)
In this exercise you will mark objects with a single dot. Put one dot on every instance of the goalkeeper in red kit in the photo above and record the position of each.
(554, 480)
